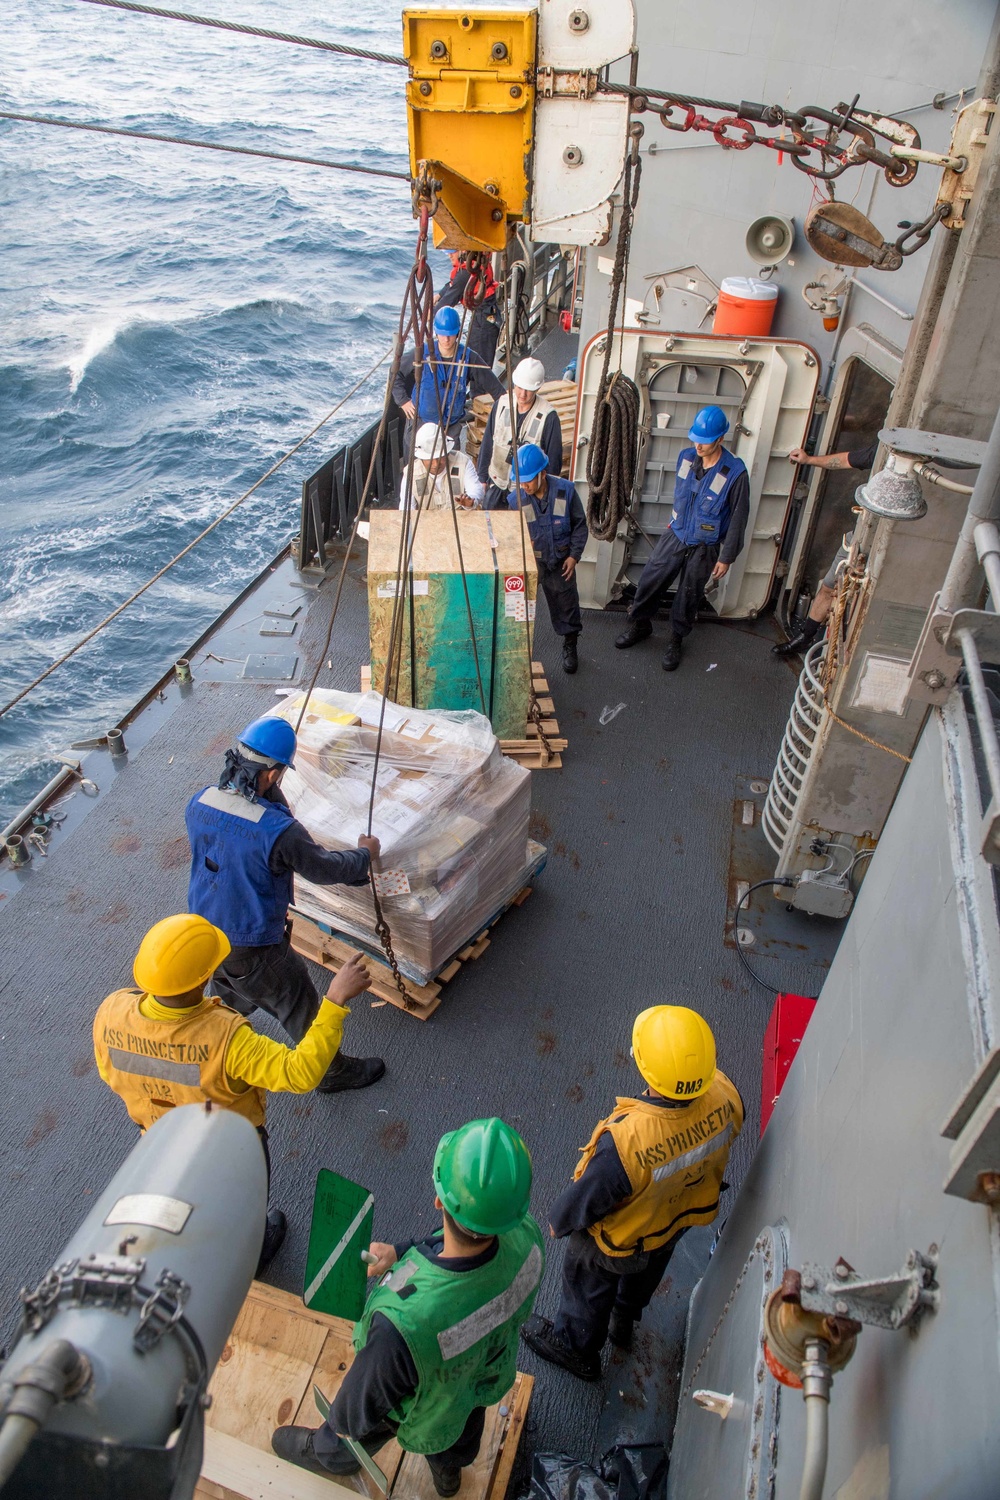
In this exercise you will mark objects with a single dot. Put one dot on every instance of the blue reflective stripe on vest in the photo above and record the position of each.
(451, 379)
(551, 529)
(702, 508)
(231, 883)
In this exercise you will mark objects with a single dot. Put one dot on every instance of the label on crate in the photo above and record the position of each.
(392, 883)
(514, 584)
(513, 607)
(390, 589)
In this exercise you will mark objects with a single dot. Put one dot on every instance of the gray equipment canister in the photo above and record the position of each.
(191, 1200)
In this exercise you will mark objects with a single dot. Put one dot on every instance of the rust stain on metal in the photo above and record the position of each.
(45, 1122)
(546, 1043)
(114, 915)
(174, 853)
(127, 843)
(394, 1135)
(82, 1066)
(574, 1094)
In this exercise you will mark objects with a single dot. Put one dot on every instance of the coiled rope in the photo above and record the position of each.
(613, 450)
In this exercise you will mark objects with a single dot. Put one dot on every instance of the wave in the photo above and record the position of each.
(101, 337)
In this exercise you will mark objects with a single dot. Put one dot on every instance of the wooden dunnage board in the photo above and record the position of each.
(275, 1354)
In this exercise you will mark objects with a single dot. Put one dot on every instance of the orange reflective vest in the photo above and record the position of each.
(154, 1065)
(675, 1160)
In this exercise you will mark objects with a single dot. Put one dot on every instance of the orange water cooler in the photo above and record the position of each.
(746, 307)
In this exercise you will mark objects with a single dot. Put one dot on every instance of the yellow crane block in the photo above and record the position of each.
(470, 106)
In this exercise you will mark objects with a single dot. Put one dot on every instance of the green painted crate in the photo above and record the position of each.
(435, 666)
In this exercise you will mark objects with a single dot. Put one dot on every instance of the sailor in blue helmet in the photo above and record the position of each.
(703, 539)
(558, 530)
(246, 849)
(450, 369)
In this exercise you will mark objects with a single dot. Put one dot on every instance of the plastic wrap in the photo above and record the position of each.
(450, 811)
(628, 1471)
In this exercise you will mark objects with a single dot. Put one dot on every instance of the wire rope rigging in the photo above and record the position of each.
(261, 31)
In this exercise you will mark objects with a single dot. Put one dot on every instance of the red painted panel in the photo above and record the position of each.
(782, 1039)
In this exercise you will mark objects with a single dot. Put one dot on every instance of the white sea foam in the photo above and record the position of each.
(100, 337)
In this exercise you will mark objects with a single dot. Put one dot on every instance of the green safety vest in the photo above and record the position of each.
(461, 1330)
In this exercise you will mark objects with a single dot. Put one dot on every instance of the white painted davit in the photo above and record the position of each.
(766, 388)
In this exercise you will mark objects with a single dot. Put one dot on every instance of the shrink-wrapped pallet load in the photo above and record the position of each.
(451, 813)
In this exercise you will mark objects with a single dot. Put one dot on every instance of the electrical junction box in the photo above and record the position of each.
(434, 666)
(822, 894)
(782, 1039)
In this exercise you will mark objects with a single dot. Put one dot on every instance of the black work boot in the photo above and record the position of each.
(274, 1238)
(634, 632)
(672, 655)
(801, 638)
(295, 1446)
(570, 660)
(350, 1073)
(620, 1329)
(537, 1333)
(446, 1481)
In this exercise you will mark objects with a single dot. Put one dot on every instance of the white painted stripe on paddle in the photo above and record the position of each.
(338, 1250)
(690, 1157)
(461, 1336)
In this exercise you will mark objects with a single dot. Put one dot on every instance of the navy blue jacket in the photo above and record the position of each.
(556, 524)
(704, 499)
(244, 856)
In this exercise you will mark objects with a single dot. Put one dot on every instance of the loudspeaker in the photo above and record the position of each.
(769, 239)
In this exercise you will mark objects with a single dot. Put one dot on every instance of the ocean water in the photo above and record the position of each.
(171, 321)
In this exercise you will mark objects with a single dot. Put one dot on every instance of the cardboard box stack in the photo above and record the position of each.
(450, 810)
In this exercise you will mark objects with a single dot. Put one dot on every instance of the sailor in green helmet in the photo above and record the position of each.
(437, 1342)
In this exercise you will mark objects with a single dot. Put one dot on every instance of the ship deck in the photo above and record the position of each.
(631, 910)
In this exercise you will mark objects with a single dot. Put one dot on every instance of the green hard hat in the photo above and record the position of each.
(482, 1174)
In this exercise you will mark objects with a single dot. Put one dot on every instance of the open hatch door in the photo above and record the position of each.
(765, 386)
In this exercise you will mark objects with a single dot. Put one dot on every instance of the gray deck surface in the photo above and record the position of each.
(629, 912)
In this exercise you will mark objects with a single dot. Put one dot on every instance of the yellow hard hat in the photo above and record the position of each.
(674, 1050)
(178, 955)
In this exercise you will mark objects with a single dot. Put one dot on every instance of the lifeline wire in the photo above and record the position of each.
(193, 543)
(179, 140)
(273, 36)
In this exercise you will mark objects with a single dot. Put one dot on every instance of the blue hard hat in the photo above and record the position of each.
(447, 322)
(709, 425)
(272, 738)
(531, 461)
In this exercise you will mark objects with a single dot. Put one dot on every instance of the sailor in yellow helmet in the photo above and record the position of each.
(650, 1171)
(166, 1044)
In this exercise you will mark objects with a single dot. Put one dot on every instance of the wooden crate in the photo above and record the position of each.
(275, 1354)
(529, 751)
(331, 951)
(562, 394)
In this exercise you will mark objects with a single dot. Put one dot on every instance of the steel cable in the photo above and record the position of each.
(272, 36)
(180, 140)
(193, 543)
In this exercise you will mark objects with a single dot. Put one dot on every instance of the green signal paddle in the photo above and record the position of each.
(339, 1237)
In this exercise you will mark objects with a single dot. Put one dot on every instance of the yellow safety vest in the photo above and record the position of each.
(155, 1065)
(503, 436)
(675, 1160)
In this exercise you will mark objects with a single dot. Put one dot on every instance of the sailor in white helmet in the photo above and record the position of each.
(536, 421)
(435, 463)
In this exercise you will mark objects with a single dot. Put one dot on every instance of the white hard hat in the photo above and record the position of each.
(428, 443)
(529, 374)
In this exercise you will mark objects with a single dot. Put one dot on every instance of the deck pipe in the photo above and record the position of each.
(817, 1378)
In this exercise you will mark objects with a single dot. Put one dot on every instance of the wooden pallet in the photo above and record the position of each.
(332, 951)
(275, 1354)
(562, 394)
(530, 751)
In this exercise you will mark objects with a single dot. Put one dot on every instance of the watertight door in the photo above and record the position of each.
(765, 386)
